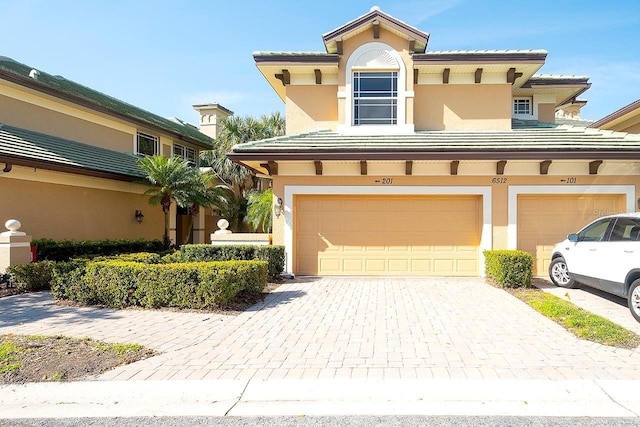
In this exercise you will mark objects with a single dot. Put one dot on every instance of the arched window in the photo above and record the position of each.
(375, 90)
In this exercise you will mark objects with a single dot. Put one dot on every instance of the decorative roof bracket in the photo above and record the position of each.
(445, 75)
(454, 167)
(478, 75)
(500, 167)
(408, 168)
(512, 75)
(544, 167)
(284, 77)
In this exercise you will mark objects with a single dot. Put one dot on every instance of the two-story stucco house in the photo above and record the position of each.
(403, 161)
(68, 158)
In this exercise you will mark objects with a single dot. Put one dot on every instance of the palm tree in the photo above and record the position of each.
(170, 179)
(237, 130)
(204, 192)
(259, 209)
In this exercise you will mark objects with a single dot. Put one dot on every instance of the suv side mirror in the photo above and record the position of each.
(573, 237)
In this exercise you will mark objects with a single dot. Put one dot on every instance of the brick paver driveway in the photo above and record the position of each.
(344, 327)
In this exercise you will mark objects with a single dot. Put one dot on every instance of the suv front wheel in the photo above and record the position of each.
(559, 274)
(634, 299)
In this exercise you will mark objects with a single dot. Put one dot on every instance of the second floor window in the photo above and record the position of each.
(147, 145)
(185, 153)
(375, 98)
(521, 107)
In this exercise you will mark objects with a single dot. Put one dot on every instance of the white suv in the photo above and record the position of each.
(604, 255)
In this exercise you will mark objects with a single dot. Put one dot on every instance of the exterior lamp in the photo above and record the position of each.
(277, 208)
(139, 216)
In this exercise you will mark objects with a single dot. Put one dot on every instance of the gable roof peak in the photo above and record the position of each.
(375, 16)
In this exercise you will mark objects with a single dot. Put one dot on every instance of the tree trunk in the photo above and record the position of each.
(166, 209)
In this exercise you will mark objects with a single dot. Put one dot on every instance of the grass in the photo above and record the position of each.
(119, 349)
(581, 323)
(8, 352)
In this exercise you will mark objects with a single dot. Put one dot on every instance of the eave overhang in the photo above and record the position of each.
(273, 66)
(366, 22)
(76, 170)
(627, 112)
(526, 142)
(33, 84)
(519, 65)
(565, 88)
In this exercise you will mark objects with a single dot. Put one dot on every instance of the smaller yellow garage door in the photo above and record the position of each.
(544, 220)
(387, 235)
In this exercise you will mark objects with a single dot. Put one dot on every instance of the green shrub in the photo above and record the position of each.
(119, 284)
(143, 257)
(114, 283)
(172, 257)
(69, 284)
(509, 268)
(274, 255)
(35, 276)
(64, 250)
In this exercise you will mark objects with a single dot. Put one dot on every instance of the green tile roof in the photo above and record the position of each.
(22, 146)
(536, 138)
(61, 87)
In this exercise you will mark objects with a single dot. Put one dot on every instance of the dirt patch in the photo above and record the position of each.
(66, 359)
(36, 359)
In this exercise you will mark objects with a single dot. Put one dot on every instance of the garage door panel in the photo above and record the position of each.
(400, 235)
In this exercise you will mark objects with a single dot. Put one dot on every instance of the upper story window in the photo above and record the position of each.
(375, 98)
(522, 107)
(147, 145)
(375, 93)
(185, 153)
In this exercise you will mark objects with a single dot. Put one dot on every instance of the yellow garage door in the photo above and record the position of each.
(387, 235)
(544, 220)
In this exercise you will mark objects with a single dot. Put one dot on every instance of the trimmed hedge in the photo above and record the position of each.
(119, 284)
(64, 250)
(509, 268)
(273, 254)
(32, 277)
(143, 257)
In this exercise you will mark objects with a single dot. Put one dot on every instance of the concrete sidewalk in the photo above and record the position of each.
(339, 346)
(578, 398)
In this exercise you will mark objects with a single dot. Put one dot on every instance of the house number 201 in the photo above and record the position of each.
(387, 181)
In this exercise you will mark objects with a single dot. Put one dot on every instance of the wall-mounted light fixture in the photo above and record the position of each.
(277, 208)
(139, 216)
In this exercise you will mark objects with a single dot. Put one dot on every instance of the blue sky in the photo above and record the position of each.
(164, 56)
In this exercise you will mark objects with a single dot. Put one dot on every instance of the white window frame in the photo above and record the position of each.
(372, 57)
(522, 100)
(186, 153)
(155, 139)
(390, 96)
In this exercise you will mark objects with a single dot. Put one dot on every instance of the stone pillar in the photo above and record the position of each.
(15, 246)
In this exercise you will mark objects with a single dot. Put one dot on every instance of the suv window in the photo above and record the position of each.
(625, 229)
(596, 232)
